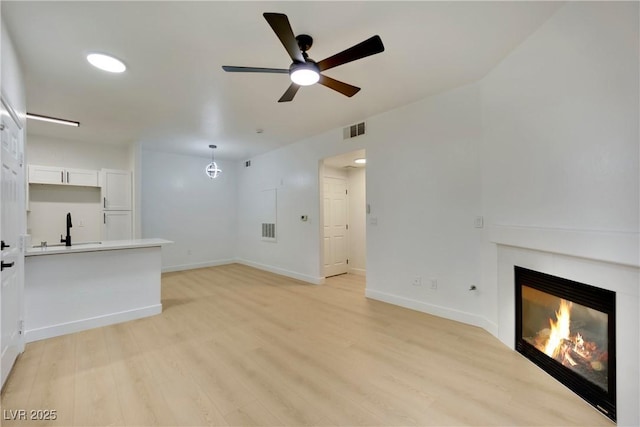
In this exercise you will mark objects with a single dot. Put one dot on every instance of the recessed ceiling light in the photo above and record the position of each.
(52, 120)
(106, 62)
(360, 161)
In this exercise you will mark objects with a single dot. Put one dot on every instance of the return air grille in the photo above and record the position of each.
(353, 131)
(268, 231)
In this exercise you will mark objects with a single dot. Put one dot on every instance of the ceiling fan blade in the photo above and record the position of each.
(338, 86)
(232, 69)
(280, 25)
(361, 50)
(290, 93)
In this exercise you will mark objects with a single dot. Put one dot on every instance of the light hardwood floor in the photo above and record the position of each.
(238, 346)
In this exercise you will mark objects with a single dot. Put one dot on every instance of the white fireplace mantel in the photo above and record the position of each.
(617, 247)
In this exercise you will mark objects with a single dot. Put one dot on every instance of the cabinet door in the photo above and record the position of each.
(117, 225)
(46, 175)
(116, 189)
(87, 178)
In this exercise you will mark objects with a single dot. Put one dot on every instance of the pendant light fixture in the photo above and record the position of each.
(212, 169)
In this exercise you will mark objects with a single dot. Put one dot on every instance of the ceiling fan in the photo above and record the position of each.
(304, 71)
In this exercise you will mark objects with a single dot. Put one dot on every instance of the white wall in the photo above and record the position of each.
(11, 81)
(75, 154)
(49, 206)
(294, 171)
(357, 221)
(423, 183)
(180, 203)
(561, 124)
(423, 186)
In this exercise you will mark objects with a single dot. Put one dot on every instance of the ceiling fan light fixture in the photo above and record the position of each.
(305, 74)
(106, 63)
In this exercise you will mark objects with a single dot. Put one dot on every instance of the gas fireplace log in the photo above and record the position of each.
(578, 359)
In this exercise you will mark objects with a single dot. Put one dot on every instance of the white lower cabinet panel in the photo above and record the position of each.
(71, 292)
(117, 225)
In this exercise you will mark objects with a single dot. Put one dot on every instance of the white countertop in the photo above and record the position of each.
(108, 245)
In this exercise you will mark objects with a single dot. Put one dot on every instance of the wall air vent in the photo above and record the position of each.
(353, 131)
(268, 231)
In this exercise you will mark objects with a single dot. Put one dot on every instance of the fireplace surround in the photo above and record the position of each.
(568, 329)
(609, 260)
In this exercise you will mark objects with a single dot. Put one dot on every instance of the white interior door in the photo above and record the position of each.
(335, 226)
(12, 190)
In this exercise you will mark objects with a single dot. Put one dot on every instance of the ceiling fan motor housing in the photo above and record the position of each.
(305, 41)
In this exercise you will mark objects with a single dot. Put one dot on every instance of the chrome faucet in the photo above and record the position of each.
(67, 240)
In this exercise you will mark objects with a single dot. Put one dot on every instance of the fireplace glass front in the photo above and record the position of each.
(568, 329)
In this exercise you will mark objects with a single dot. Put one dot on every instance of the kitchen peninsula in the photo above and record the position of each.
(83, 286)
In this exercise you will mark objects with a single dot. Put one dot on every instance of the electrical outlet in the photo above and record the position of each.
(478, 222)
(80, 223)
(434, 283)
(188, 251)
(417, 281)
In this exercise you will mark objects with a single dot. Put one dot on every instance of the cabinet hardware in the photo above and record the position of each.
(67, 177)
(4, 245)
(4, 265)
(104, 202)
(104, 219)
(62, 176)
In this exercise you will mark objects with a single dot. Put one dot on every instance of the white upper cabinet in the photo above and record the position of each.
(46, 175)
(116, 190)
(84, 177)
(62, 176)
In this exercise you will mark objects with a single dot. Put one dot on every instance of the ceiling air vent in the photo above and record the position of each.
(353, 131)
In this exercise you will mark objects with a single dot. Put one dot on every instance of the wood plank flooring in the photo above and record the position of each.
(242, 347)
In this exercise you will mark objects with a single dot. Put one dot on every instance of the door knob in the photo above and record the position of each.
(4, 245)
(4, 265)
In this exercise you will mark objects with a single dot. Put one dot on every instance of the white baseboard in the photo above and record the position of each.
(436, 310)
(358, 271)
(195, 265)
(282, 272)
(90, 323)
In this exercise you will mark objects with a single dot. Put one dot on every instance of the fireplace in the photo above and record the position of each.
(568, 329)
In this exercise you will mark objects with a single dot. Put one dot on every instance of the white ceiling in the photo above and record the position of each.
(175, 96)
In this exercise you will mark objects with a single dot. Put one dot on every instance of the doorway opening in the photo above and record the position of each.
(343, 214)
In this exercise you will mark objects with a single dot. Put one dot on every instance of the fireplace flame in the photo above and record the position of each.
(559, 329)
